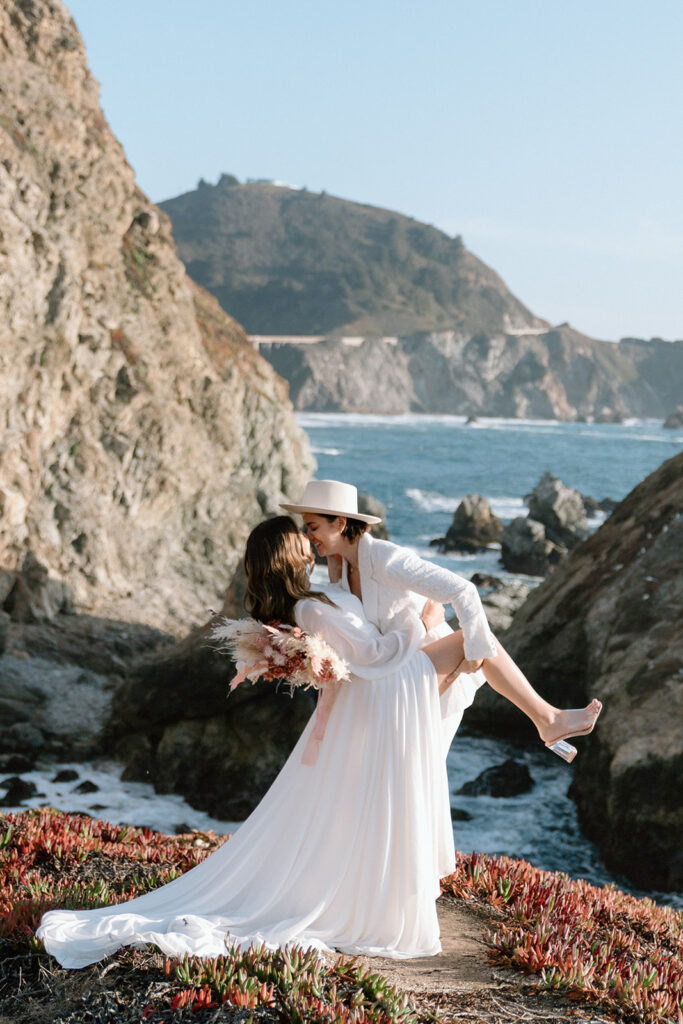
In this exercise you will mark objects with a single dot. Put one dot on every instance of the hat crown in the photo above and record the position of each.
(338, 497)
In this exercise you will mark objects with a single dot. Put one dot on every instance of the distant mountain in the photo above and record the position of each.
(409, 319)
(289, 261)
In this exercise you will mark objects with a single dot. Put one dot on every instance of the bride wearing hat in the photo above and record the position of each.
(392, 582)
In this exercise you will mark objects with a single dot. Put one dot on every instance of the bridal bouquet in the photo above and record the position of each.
(278, 651)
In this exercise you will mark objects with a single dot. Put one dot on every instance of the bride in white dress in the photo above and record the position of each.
(345, 854)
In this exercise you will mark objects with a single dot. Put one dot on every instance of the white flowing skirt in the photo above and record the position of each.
(346, 854)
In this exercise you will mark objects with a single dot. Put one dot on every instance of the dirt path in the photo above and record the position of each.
(462, 964)
(462, 985)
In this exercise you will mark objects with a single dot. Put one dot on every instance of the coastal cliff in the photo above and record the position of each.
(558, 373)
(142, 435)
(607, 623)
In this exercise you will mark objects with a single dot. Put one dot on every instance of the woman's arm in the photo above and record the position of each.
(370, 654)
(398, 568)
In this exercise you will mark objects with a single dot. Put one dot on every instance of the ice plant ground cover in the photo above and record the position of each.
(594, 945)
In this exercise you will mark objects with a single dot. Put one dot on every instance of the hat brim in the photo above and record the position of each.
(370, 520)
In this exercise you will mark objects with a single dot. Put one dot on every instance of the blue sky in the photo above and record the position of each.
(549, 134)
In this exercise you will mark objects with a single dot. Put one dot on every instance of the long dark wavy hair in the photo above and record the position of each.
(276, 561)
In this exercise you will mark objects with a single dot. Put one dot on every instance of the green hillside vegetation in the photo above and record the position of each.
(289, 261)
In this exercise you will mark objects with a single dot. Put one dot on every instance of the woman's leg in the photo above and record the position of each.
(504, 676)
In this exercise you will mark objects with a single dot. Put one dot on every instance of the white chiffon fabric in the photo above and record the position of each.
(346, 854)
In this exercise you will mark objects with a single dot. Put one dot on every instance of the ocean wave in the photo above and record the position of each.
(120, 802)
(345, 419)
(505, 507)
(326, 451)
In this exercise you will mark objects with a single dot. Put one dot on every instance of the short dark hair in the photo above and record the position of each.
(354, 528)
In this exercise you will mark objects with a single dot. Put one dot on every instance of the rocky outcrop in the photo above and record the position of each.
(561, 510)
(474, 527)
(674, 421)
(142, 436)
(556, 522)
(368, 505)
(58, 675)
(173, 724)
(511, 778)
(607, 623)
(525, 548)
(502, 603)
(553, 374)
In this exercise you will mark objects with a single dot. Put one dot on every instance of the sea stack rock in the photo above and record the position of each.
(474, 527)
(674, 420)
(526, 548)
(143, 434)
(561, 510)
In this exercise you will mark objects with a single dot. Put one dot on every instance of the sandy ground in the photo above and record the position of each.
(461, 983)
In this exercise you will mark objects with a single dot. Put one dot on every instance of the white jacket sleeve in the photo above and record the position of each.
(401, 568)
(369, 653)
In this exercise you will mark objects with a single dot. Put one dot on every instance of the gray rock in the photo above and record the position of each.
(674, 421)
(561, 510)
(370, 506)
(526, 549)
(66, 775)
(16, 763)
(23, 738)
(87, 787)
(502, 604)
(474, 527)
(501, 780)
(458, 814)
(16, 791)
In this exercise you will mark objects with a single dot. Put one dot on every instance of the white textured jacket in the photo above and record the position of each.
(395, 580)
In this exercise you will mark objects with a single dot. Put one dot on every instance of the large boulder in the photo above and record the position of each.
(561, 509)
(474, 527)
(511, 778)
(607, 623)
(525, 548)
(173, 724)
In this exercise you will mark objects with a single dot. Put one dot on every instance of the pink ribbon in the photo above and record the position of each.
(326, 698)
(241, 676)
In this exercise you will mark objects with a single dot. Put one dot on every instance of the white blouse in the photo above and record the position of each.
(369, 653)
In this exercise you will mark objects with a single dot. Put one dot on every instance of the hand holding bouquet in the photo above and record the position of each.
(278, 651)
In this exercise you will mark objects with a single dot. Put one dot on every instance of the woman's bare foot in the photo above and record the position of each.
(575, 722)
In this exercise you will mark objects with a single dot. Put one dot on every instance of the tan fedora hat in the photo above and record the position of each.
(331, 498)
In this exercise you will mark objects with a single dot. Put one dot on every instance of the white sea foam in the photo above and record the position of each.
(132, 803)
(505, 507)
(326, 451)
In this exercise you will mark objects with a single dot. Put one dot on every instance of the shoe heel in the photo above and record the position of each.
(564, 750)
